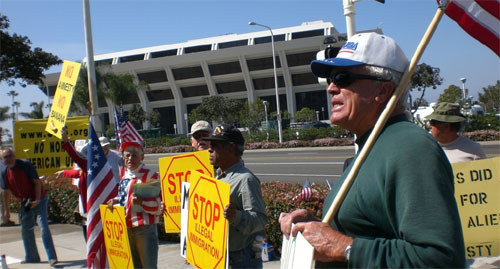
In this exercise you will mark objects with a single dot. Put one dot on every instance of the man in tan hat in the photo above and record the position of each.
(113, 156)
(444, 124)
(199, 130)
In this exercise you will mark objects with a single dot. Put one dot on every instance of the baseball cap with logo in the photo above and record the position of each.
(226, 133)
(200, 125)
(364, 49)
(446, 112)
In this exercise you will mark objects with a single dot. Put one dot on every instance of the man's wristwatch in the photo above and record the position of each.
(347, 252)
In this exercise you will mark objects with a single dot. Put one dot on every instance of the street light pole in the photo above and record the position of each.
(267, 122)
(464, 94)
(278, 114)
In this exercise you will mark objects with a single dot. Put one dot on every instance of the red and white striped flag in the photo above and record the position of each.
(125, 130)
(479, 18)
(306, 193)
(100, 188)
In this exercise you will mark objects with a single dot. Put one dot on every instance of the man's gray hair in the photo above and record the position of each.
(395, 79)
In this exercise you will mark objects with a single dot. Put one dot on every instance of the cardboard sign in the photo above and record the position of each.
(114, 228)
(42, 149)
(184, 216)
(62, 98)
(174, 170)
(297, 252)
(207, 228)
(477, 191)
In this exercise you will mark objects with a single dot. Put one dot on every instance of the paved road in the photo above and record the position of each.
(298, 164)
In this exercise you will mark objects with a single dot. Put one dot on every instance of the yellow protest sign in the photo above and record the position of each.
(62, 98)
(173, 171)
(477, 191)
(207, 227)
(42, 149)
(114, 228)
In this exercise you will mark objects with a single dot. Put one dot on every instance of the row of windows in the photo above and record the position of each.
(297, 59)
(222, 45)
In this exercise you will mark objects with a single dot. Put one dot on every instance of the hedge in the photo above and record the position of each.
(277, 196)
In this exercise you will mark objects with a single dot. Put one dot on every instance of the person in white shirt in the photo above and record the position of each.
(444, 124)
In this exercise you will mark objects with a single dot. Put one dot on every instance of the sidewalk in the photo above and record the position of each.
(71, 249)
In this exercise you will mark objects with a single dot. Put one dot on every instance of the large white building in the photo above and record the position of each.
(234, 65)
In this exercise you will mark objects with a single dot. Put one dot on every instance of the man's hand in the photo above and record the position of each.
(110, 203)
(34, 204)
(329, 244)
(287, 219)
(59, 174)
(64, 134)
(230, 212)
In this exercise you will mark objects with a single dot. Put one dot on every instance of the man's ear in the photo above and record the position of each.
(385, 91)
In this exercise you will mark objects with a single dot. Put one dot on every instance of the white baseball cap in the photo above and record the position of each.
(364, 49)
(104, 141)
(200, 125)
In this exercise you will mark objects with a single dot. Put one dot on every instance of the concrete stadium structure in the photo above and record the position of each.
(234, 65)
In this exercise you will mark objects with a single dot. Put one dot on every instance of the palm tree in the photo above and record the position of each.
(37, 112)
(3, 113)
(119, 88)
(13, 94)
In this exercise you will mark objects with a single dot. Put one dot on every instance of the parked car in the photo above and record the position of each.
(315, 124)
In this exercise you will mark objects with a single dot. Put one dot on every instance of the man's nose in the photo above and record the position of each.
(333, 89)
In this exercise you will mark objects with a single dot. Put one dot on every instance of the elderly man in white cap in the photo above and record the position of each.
(199, 130)
(400, 211)
(113, 156)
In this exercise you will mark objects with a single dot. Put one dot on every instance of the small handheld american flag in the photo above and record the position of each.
(124, 130)
(306, 193)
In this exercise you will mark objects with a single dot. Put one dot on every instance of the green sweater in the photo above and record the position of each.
(401, 208)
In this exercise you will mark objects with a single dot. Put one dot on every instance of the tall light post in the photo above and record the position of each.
(267, 121)
(278, 115)
(464, 94)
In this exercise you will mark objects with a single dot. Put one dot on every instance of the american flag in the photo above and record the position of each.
(124, 129)
(479, 18)
(306, 193)
(100, 188)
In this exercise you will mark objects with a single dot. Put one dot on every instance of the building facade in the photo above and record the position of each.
(234, 65)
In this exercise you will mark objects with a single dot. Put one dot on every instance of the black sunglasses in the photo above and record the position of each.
(344, 79)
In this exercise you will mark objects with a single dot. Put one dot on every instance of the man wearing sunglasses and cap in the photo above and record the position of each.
(246, 212)
(400, 211)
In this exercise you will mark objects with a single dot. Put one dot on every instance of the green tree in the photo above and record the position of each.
(305, 114)
(418, 103)
(4, 115)
(423, 77)
(36, 113)
(252, 114)
(154, 117)
(19, 60)
(490, 98)
(117, 87)
(219, 109)
(452, 94)
(137, 115)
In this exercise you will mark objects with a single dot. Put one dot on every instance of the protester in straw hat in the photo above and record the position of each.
(400, 211)
(444, 123)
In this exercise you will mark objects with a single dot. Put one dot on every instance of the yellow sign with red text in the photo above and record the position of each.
(62, 98)
(174, 170)
(114, 228)
(207, 228)
(477, 191)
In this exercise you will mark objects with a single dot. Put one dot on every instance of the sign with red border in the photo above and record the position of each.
(114, 228)
(207, 227)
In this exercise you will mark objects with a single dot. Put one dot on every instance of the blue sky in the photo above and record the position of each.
(57, 27)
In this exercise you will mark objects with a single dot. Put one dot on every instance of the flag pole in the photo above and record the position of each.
(344, 189)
